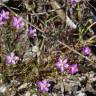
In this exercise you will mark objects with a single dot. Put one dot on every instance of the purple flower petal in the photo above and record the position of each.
(65, 61)
(75, 1)
(62, 69)
(46, 89)
(8, 59)
(13, 62)
(12, 54)
(16, 58)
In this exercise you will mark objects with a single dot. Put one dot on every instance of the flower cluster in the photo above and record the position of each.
(4, 15)
(18, 22)
(43, 85)
(11, 59)
(63, 65)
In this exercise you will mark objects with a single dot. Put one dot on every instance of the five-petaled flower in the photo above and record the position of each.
(62, 64)
(18, 22)
(4, 15)
(32, 32)
(11, 59)
(86, 50)
(43, 85)
(72, 69)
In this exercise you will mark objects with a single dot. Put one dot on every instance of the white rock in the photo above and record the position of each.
(34, 95)
(5, 0)
(27, 93)
(3, 88)
(23, 86)
(35, 49)
(70, 23)
(80, 93)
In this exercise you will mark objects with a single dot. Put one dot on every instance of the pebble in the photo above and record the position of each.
(3, 88)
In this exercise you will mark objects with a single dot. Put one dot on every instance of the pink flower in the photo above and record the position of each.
(86, 51)
(4, 15)
(11, 59)
(18, 22)
(43, 86)
(62, 64)
(73, 69)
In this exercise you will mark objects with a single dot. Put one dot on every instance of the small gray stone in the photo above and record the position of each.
(3, 88)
